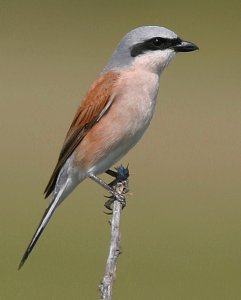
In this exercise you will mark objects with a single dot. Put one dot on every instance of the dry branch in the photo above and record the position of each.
(120, 185)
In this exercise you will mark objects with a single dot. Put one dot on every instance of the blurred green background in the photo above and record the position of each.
(181, 228)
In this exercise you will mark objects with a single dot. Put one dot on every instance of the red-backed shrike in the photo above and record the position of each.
(114, 113)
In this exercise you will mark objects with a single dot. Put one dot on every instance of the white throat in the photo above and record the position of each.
(154, 61)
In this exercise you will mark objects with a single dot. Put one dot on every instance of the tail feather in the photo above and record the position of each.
(44, 221)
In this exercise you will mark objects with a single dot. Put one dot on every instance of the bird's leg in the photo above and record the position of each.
(119, 184)
(117, 187)
(114, 194)
(102, 183)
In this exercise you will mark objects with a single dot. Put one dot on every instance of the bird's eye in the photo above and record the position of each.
(157, 41)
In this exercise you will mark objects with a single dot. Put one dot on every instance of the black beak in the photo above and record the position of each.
(185, 46)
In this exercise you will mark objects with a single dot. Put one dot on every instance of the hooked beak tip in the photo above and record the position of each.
(185, 46)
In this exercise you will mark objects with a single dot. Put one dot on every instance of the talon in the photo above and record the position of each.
(120, 198)
(109, 203)
(117, 188)
(108, 213)
(115, 197)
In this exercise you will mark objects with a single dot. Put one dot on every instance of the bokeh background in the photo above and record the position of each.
(181, 230)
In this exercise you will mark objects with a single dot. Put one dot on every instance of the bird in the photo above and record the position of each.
(113, 115)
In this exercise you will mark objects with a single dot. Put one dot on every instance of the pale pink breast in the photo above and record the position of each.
(123, 125)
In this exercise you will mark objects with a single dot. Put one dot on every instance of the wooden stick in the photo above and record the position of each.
(118, 203)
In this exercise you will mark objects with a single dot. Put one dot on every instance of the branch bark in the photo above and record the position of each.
(121, 187)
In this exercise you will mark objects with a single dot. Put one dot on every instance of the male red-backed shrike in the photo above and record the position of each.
(114, 113)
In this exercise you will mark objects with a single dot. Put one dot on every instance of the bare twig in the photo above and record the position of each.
(120, 185)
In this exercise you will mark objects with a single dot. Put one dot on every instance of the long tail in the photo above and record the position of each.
(44, 221)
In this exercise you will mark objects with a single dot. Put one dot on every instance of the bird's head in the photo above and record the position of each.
(150, 47)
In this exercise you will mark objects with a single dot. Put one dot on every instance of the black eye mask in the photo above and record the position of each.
(157, 43)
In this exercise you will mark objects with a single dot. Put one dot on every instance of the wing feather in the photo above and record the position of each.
(94, 105)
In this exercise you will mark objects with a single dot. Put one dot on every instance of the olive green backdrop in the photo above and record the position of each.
(181, 228)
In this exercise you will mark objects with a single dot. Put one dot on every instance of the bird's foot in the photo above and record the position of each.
(119, 186)
(116, 196)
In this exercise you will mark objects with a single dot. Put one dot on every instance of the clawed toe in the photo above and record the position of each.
(111, 199)
(117, 188)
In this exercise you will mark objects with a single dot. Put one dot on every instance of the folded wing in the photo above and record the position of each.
(94, 105)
